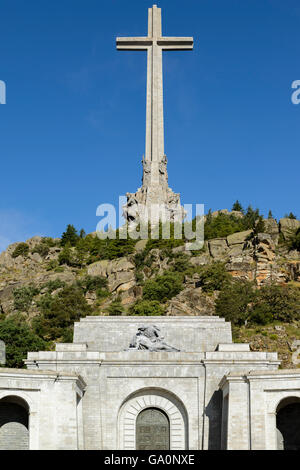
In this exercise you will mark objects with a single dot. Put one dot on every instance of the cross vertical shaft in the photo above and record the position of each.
(155, 178)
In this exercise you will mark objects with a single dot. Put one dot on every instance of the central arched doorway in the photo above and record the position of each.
(170, 417)
(152, 430)
(288, 424)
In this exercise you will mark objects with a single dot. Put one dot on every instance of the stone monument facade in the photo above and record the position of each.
(155, 200)
(202, 392)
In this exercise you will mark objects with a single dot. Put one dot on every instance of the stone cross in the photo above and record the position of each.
(154, 44)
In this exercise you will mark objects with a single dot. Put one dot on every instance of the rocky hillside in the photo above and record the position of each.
(47, 284)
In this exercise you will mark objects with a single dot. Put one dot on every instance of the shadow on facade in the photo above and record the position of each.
(288, 424)
(214, 413)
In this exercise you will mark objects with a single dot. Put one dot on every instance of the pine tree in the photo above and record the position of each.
(237, 206)
(69, 236)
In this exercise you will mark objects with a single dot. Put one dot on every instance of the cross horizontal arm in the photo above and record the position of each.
(129, 44)
(167, 43)
(174, 43)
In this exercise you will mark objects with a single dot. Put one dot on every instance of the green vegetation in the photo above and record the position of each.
(293, 241)
(223, 225)
(44, 246)
(92, 283)
(290, 216)
(51, 286)
(213, 277)
(19, 339)
(237, 207)
(70, 236)
(147, 308)
(163, 287)
(23, 297)
(242, 303)
(22, 249)
(115, 308)
(59, 312)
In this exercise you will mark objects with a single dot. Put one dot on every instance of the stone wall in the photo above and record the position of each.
(184, 333)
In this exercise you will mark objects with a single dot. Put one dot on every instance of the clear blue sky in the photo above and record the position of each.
(72, 132)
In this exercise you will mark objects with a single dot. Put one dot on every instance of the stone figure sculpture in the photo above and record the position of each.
(149, 338)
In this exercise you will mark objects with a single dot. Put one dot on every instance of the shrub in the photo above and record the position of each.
(59, 312)
(241, 303)
(23, 297)
(181, 262)
(44, 246)
(51, 286)
(52, 265)
(41, 249)
(92, 283)
(102, 293)
(233, 301)
(18, 339)
(21, 250)
(115, 308)
(282, 303)
(213, 277)
(163, 287)
(260, 314)
(147, 308)
(293, 241)
(66, 256)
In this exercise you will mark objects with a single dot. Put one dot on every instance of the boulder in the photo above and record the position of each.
(272, 228)
(217, 247)
(241, 267)
(288, 227)
(98, 269)
(118, 272)
(222, 211)
(239, 237)
(236, 250)
(33, 241)
(181, 249)
(140, 245)
(237, 214)
(200, 260)
(191, 301)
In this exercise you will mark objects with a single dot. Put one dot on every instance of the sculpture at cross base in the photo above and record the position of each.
(155, 192)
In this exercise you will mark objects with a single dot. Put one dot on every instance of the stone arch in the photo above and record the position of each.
(152, 398)
(14, 423)
(288, 423)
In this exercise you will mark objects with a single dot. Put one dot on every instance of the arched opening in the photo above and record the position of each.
(165, 402)
(152, 430)
(14, 424)
(288, 424)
